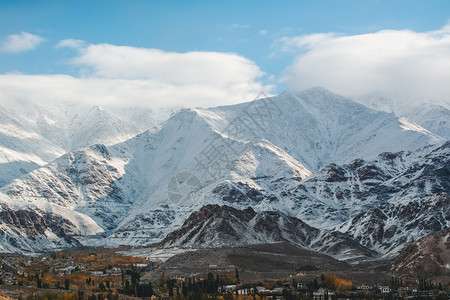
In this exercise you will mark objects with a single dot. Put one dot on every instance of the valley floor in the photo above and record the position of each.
(279, 270)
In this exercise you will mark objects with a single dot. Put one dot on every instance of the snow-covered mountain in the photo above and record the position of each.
(431, 115)
(21, 150)
(336, 191)
(383, 203)
(407, 206)
(32, 135)
(435, 118)
(119, 186)
(318, 127)
(259, 154)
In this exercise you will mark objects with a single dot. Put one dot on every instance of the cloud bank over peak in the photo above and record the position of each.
(200, 67)
(401, 64)
(111, 75)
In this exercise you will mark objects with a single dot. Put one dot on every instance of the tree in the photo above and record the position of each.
(336, 283)
(144, 290)
(315, 284)
(135, 277)
(66, 284)
(101, 286)
(236, 275)
(170, 288)
(287, 294)
(212, 284)
(39, 283)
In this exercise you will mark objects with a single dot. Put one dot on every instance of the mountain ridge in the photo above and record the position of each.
(123, 188)
(215, 226)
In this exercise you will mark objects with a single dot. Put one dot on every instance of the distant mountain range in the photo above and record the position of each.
(316, 169)
(33, 135)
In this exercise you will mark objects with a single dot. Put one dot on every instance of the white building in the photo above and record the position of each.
(323, 294)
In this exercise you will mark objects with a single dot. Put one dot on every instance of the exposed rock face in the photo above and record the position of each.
(389, 227)
(408, 206)
(429, 255)
(216, 225)
(29, 226)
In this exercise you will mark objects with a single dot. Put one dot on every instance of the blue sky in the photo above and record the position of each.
(262, 32)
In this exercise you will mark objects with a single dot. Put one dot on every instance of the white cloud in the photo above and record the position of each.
(207, 68)
(397, 63)
(262, 32)
(127, 76)
(121, 92)
(71, 43)
(238, 26)
(20, 42)
(306, 42)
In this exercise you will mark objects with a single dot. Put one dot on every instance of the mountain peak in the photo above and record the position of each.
(317, 90)
(96, 109)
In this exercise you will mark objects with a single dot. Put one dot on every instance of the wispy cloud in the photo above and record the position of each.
(24, 41)
(71, 43)
(307, 42)
(262, 32)
(238, 26)
(398, 63)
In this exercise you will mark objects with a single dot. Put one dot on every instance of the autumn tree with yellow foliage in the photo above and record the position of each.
(338, 284)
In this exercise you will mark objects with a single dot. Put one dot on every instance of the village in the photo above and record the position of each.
(106, 274)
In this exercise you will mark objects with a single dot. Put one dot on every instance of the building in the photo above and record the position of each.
(227, 288)
(363, 287)
(323, 294)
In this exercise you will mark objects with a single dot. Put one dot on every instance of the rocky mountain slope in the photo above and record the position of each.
(257, 154)
(410, 205)
(215, 225)
(430, 254)
(382, 204)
